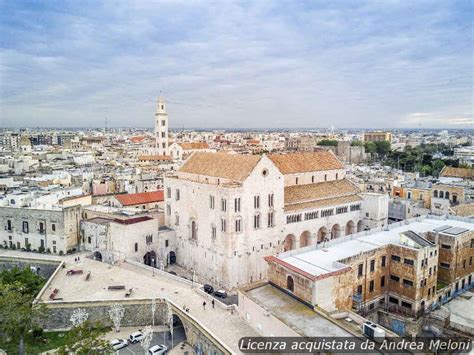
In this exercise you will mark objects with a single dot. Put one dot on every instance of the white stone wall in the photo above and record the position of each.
(60, 228)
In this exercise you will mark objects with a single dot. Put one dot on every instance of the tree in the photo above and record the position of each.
(370, 147)
(382, 148)
(357, 143)
(328, 142)
(438, 165)
(18, 316)
(116, 313)
(86, 339)
(31, 283)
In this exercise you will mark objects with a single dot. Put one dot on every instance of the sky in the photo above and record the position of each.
(244, 64)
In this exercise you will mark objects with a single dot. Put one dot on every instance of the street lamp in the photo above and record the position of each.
(152, 267)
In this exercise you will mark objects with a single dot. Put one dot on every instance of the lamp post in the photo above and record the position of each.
(152, 266)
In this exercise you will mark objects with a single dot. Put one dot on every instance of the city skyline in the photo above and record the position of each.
(265, 65)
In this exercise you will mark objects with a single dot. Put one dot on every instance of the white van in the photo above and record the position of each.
(136, 337)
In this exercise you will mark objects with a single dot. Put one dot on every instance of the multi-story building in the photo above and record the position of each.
(396, 269)
(444, 196)
(52, 229)
(377, 136)
(231, 210)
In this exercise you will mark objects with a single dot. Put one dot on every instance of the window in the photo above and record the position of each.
(359, 289)
(394, 278)
(177, 195)
(41, 228)
(270, 219)
(340, 210)
(256, 221)
(408, 262)
(372, 265)
(384, 259)
(406, 304)
(237, 204)
(223, 205)
(270, 200)
(194, 230)
(312, 179)
(168, 209)
(163, 122)
(409, 195)
(393, 300)
(211, 202)
(213, 231)
(435, 194)
(136, 247)
(223, 225)
(9, 225)
(296, 181)
(371, 286)
(445, 246)
(53, 227)
(238, 225)
(407, 283)
(337, 176)
(325, 177)
(176, 219)
(25, 227)
(444, 265)
(149, 239)
(382, 282)
(395, 258)
(360, 270)
(256, 201)
(168, 192)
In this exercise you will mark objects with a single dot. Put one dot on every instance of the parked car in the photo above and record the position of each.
(136, 337)
(208, 289)
(158, 350)
(118, 344)
(173, 273)
(220, 293)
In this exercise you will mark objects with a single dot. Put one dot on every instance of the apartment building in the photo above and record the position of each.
(395, 269)
(377, 136)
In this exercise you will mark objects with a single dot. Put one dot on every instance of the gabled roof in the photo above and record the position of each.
(140, 198)
(293, 163)
(465, 173)
(229, 166)
(194, 145)
(319, 191)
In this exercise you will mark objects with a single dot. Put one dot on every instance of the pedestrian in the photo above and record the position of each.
(204, 305)
(213, 303)
(75, 259)
(78, 258)
(187, 310)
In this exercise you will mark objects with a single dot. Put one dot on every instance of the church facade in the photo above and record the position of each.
(230, 211)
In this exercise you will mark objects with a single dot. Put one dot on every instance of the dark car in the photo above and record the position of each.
(173, 273)
(208, 289)
(220, 294)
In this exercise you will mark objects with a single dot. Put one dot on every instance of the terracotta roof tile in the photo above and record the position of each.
(224, 165)
(194, 145)
(305, 162)
(465, 173)
(140, 198)
(319, 191)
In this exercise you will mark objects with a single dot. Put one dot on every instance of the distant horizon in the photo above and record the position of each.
(246, 129)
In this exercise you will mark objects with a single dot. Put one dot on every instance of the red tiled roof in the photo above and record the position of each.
(137, 139)
(140, 198)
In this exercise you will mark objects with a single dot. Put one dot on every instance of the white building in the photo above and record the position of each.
(231, 210)
(161, 128)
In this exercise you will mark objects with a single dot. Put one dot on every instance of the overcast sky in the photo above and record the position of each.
(255, 64)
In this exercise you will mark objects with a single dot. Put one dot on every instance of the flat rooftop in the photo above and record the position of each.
(326, 259)
(295, 314)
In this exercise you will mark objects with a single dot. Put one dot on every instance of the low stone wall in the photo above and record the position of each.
(44, 268)
(137, 313)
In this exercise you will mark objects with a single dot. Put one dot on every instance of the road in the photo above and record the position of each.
(158, 338)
